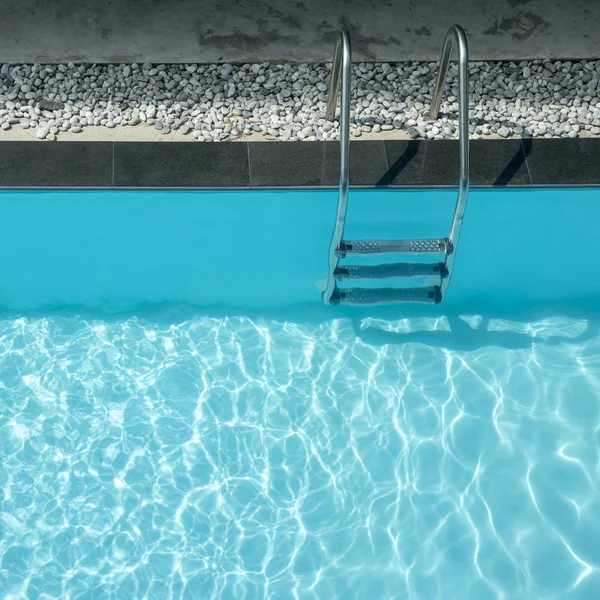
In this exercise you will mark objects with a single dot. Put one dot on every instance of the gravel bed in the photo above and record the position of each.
(287, 102)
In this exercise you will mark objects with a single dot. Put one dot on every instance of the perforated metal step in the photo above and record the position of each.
(391, 270)
(432, 246)
(364, 296)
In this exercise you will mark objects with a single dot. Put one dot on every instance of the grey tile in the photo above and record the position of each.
(406, 164)
(499, 163)
(308, 164)
(368, 163)
(436, 163)
(181, 164)
(288, 164)
(56, 164)
(564, 161)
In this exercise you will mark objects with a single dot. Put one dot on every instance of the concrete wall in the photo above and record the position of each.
(291, 30)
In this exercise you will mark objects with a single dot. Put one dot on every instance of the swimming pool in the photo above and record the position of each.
(181, 417)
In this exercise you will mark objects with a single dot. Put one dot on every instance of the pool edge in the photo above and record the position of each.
(383, 164)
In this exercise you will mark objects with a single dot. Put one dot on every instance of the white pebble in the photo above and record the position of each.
(42, 132)
(287, 102)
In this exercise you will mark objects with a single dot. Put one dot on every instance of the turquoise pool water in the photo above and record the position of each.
(180, 418)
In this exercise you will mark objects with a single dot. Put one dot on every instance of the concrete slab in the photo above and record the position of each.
(143, 133)
(296, 30)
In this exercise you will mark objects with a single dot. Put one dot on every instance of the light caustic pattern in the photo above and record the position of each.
(213, 457)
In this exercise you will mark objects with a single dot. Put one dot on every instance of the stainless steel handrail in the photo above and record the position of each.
(456, 34)
(341, 72)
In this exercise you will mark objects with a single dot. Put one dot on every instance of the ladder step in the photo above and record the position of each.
(428, 295)
(387, 271)
(432, 246)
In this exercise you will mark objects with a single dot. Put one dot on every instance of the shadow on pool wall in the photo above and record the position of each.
(263, 252)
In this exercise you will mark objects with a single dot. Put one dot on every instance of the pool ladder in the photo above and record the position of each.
(407, 270)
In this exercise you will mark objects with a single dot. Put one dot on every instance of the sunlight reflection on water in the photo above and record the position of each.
(230, 457)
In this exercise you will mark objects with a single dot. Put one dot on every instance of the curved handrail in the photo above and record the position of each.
(456, 34)
(341, 71)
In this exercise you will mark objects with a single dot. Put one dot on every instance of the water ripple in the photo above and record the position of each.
(231, 457)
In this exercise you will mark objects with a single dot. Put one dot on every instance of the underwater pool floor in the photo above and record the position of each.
(236, 457)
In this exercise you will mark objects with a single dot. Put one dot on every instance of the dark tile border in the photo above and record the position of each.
(315, 164)
(268, 165)
(73, 164)
(496, 163)
(180, 164)
(564, 161)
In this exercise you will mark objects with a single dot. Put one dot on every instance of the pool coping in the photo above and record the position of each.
(383, 164)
